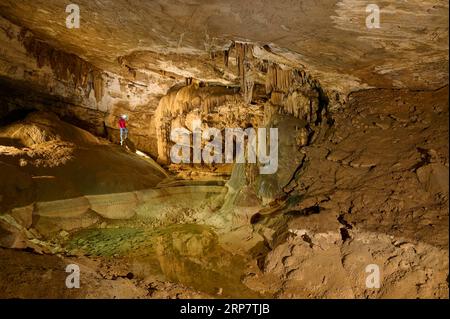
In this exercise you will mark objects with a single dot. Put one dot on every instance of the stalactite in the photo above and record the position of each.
(190, 98)
(98, 85)
(248, 91)
(241, 51)
(294, 91)
(226, 56)
(244, 57)
(66, 67)
(249, 83)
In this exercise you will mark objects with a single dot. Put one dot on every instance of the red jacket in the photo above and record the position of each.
(122, 123)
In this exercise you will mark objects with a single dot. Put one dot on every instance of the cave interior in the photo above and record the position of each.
(352, 172)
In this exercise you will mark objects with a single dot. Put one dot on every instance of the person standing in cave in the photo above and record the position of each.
(123, 128)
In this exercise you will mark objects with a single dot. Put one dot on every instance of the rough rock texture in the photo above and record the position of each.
(118, 64)
(372, 191)
(362, 178)
(93, 98)
(44, 276)
(46, 159)
(35, 75)
(330, 37)
(363, 195)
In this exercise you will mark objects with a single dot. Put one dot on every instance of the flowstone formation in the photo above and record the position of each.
(362, 162)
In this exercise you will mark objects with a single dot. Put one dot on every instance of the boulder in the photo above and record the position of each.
(11, 235)
(23, 215)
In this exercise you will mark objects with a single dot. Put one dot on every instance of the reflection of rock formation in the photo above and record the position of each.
(191, 255)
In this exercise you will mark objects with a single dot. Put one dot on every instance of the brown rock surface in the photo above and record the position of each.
(363, 162)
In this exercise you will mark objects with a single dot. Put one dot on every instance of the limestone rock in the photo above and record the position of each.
(23, 215)
(114, 206)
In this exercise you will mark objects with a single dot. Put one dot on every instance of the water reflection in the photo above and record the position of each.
(186, 254)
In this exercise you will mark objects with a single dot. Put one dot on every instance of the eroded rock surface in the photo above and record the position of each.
(362, 176)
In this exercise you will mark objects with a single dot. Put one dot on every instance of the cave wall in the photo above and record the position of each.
(256, 84)
(35, 75)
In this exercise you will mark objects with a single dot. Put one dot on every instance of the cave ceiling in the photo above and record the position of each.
(326, 37)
